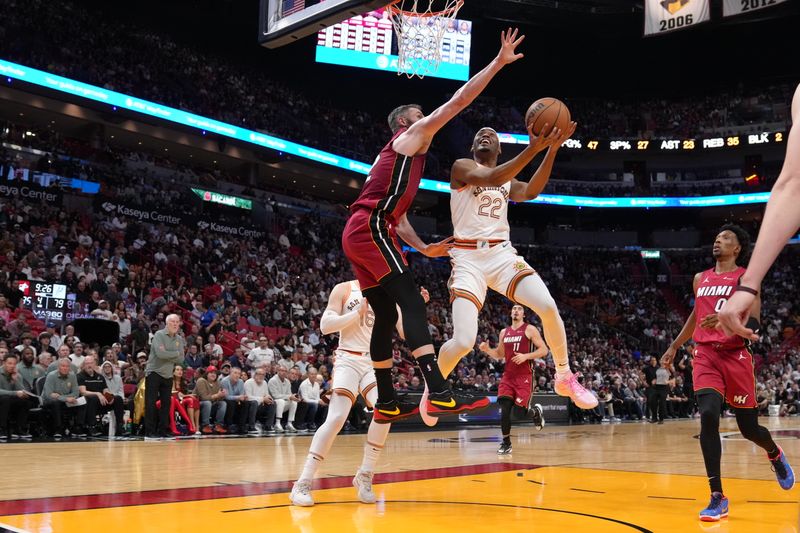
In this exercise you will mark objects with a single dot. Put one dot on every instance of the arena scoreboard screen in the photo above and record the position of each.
(369, 41)
(48, 301)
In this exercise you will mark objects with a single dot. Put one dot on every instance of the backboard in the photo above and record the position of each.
(284, 21)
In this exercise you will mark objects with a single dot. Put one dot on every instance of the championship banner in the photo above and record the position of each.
(664, 16)
(731, 8)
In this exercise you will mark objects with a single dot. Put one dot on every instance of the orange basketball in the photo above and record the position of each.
(547, 111)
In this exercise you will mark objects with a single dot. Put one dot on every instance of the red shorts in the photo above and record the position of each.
(371, 248)
(518, 387)
(729, 371)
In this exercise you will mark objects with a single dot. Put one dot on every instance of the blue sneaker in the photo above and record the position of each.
(783, 471)
(717, 508)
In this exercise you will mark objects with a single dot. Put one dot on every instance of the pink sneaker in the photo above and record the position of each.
(423, 410)
(569, 386)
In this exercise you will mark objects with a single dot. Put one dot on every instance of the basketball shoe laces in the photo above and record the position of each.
(778, 467)
(303, 487)
(365, 480)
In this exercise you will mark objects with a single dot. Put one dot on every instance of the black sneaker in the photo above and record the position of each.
(536, 413)
(450, 403)
(57, 435)
(504, 449)
(3, 438)
(388, 412)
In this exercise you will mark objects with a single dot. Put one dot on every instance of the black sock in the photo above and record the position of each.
(383, 378)
(507, 440)
(774, 454)
(715, 483)
(431, 373)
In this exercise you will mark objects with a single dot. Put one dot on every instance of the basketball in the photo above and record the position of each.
(547, 111)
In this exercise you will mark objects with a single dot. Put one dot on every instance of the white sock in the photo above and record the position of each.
(532, 292)
(465, 331)
(323, 439)
(376, 437)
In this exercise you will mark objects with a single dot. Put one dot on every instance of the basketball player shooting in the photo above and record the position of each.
(519, 345)
(369, 241)
(349, 315)
(484, 258)
(724, 367)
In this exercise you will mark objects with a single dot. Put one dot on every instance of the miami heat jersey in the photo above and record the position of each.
(712, 293)
(480, 213)
(356, 336)
(515, 341)
(391, 185)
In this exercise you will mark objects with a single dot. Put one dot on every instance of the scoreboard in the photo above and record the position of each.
(662, 145)
(48, 301)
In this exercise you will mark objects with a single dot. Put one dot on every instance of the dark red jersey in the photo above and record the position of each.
(391, 185)
(713, 291)
(515, 341)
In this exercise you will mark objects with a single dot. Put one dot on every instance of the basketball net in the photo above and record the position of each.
(420, 31)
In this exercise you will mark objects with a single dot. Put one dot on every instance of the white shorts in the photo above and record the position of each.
(352, 375)
(499, 268)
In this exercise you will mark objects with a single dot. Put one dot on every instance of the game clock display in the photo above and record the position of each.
(48, 301)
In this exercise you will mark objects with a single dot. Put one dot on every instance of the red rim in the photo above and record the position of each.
(447, 12)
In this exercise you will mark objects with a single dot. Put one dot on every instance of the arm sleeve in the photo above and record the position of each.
(332, 322)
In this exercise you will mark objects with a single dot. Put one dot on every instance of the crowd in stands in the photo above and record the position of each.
(251, 308)
(159, 68)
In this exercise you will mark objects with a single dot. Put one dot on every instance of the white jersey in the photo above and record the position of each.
(480, 213)
(356, 336)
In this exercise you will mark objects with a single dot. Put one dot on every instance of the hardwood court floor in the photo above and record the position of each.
(624, 477)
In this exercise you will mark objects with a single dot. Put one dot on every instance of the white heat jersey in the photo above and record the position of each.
(356, 336)
(480, 213)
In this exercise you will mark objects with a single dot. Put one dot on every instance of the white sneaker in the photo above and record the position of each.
(363, 482)
(290, 428)
(301, 493)
(277, 428)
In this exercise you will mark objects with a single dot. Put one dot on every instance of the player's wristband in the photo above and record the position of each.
(747, 290)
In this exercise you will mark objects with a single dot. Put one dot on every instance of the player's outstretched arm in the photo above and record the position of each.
(334, 319)
(418, 137)
(468, 172)
(406, 232)
(781, 221)
(686, 332)
(522, 192)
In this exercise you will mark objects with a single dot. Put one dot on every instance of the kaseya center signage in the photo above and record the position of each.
(155, 215)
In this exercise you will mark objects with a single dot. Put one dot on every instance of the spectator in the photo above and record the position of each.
(193, 358)
(63, 353)
(215, 349)
(212, 402)
(262, 406)
(280, 388)
(102, 311)
(237, 402)
(76, 357)
(261, 356)
(310, 397)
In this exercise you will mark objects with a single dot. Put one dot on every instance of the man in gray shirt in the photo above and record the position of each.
(60, 391)
(166, 351)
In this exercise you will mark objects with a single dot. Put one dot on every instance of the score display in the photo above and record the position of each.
(662, 145)
(369, 41)
(48, 301)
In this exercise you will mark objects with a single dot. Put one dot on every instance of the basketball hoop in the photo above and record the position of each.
(420, 32)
